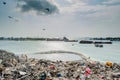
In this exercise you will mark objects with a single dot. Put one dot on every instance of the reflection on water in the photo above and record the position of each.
(56, 45)
(56, 56)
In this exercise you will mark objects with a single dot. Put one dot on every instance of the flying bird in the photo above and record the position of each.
(47, 9)
(4, 3)
(10, 17)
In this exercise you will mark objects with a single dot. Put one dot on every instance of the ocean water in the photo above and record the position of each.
(110, 52)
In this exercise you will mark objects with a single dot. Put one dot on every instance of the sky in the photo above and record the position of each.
(59, 18)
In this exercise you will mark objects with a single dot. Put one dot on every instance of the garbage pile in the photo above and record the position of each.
(24, 68)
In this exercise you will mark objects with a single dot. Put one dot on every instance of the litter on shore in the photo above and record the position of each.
(23, 68)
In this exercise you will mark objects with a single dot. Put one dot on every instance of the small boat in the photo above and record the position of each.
(98, 45)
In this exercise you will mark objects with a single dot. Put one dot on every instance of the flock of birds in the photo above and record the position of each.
(10, 17)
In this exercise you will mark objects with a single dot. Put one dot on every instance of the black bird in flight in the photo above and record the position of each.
(10, 17)
(4, 3)
(47, 9)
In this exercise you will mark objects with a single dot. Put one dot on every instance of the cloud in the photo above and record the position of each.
(93, 2)
(102, 2)
(75, 5)
(38, 6)
(111, 2)
(94, 8)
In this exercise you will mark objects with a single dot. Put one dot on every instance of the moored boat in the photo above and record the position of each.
(98, 45)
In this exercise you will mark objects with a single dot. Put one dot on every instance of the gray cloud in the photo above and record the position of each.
(39, 6)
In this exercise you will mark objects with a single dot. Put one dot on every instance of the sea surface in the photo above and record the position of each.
(110, 52)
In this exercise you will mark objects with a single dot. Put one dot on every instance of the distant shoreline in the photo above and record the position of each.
(65, 39)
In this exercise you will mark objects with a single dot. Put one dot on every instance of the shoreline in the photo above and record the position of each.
(63, 51)
(23, 68)
(84, 57)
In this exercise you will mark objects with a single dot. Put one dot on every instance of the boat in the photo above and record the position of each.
(86, 42)
(96, 42)
(98, 45)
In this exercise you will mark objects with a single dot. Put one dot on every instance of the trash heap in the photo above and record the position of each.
(24, 68)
